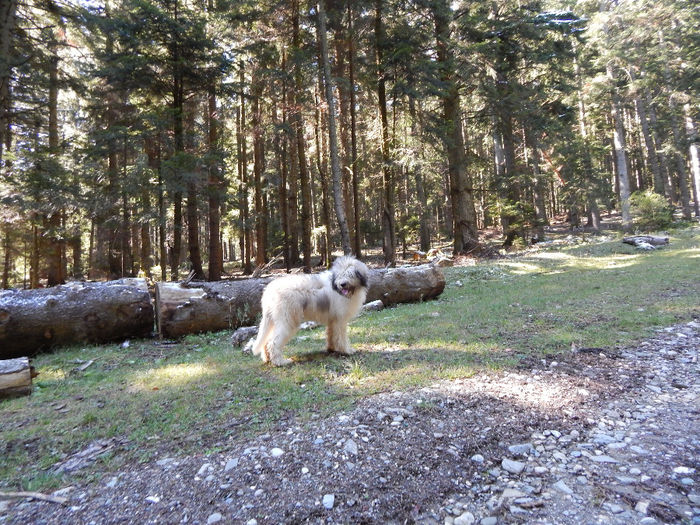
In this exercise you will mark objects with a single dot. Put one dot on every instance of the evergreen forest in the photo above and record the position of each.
(162, 137)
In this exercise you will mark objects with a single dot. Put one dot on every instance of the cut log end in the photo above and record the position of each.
(16, 377)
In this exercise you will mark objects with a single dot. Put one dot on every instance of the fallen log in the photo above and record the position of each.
(643, 241)
(77, 312)
(407, 284)
(15, 377)
(222, 305)
(207, 307)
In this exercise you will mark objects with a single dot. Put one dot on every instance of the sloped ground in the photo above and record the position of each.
(591, 437)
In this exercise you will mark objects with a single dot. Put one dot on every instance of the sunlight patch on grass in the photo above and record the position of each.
(171, 376)
(522, 268)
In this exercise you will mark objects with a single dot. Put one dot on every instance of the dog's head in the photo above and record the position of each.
(348, 275)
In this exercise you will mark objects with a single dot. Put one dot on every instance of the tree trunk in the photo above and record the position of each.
(620, 147)
(15, 377)
(332, 132)
(694, 150)
(33, 320)
(649, 146)
(297, 124)
(216, 188)
(7, 259)
(247, 244)
(658, 146)
(388, 190)
(466, 237)
(322, 166)
(53, 219)
(354, 164)
(258, 160)
(229, 304)
(7, 23)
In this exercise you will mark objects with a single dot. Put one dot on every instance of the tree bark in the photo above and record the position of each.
(77, 312)
(332, 131)
(225, 305)
(15, 377)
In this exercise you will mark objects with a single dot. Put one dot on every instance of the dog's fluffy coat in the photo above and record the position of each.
(331, 298)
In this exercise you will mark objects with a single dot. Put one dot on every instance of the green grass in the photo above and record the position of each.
(201, 393)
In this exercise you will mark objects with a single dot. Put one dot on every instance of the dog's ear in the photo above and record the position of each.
(362, 276)
(333, 285)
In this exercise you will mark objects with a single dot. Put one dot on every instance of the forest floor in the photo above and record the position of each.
(525, 394)
(592, 436)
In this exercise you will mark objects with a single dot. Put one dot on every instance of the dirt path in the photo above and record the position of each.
(592, 437)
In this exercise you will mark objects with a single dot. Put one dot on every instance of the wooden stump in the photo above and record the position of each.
(15, 377)
(204, 307)
(77, 312)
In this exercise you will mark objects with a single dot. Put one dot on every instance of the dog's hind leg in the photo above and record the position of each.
(281, 335)
(264, 331)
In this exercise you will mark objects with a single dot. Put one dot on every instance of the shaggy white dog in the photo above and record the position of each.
(331, 298)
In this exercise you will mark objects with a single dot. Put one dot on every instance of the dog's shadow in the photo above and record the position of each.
(316, 355)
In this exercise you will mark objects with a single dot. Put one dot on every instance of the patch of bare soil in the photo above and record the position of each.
(588, 437)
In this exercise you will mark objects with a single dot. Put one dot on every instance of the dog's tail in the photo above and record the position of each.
(263, 333)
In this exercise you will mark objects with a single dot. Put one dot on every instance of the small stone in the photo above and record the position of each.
(350, 447)
(687, 482)
(612, 507)
(642, 506)
(111, 483)
(683, 470)
(625, 480)
(639, 450)
(465, 519)
(647, 521)
(203, 469)
(276, 452)
(563, 487)
(512, 493)
(214, 518)
(603, 459)
(329, 501)
(153, 499)
(635, 471)
(616, 446)
(252, 522)
(231, 464)
(522, 449)
(694, 498)
(514, 467)
(304, 470)
(477, 458)
(603, 439)
(491, 520)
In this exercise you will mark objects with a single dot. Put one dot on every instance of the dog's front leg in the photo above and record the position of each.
(338, 339)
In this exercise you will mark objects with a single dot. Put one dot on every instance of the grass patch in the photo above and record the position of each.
(199, 394)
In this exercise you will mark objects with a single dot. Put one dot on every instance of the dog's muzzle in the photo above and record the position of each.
(345, 289)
